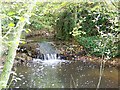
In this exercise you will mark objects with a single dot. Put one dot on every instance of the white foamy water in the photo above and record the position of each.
(50, 61)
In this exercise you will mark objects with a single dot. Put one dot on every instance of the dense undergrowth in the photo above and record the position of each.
(93, 24)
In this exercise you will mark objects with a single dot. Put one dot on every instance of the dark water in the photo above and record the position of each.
(55, 74)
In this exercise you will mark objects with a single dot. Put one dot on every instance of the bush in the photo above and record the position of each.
(88, 16)
(64, 25)
(88, 42)
(95, 45)
(98, 31)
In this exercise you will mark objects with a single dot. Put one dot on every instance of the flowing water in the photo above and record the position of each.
(47, 51)
(47, 48)
(51, 72)
(64, 74)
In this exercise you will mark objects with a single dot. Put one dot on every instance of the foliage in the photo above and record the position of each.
(87, 34)
(64, 25)
(107, 45)
(12, 23)
(44, 15)
(11, 14)
(96, 15)
(73, 20)
(88, 42)
(66, 21)
(82, 21)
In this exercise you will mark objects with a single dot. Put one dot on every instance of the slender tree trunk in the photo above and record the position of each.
(12, 49)
(0, 33)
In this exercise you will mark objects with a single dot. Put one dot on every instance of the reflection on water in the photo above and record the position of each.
(74, 74)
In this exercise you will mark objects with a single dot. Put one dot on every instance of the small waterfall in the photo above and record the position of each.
(50, 56)
(47, 52)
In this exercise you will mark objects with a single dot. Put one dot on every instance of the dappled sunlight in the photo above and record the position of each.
(59, 44)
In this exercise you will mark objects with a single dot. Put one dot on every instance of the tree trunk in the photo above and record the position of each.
(0, 33)
(12, 49)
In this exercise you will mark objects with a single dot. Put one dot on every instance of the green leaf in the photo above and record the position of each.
(64, 3)
(17, 42)
(22, 19)
(27, 30)
(11, 24)
(11, 13)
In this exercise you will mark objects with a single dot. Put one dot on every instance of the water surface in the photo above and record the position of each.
(64, 74)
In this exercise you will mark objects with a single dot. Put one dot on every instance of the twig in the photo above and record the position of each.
(101, 73)
(8, 32)
(73, 81)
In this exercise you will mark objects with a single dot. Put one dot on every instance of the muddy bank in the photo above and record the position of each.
(42, 33)
(67, 51)
(73, 51)
(27, 52)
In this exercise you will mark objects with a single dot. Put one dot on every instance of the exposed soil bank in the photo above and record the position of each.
(73, 51)
(68, 51)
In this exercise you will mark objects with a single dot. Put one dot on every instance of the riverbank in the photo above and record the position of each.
(67, 51)
(73, 51)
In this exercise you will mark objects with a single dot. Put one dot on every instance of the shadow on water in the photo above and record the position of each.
(64, 74)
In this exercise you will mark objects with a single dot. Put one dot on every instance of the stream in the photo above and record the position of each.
(64, 75)
(55, 73)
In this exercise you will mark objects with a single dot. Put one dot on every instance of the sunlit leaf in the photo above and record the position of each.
(17, 42)
(27, 30)
(11, 24)
(63, 4)
(22, 19)
(11, 13)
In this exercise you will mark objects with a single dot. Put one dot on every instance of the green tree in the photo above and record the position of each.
(0, 34)
(13, 32)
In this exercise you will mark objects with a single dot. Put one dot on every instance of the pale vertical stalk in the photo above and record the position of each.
(100, 76)
(12, 49)
(76, 14)
(102, 65)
